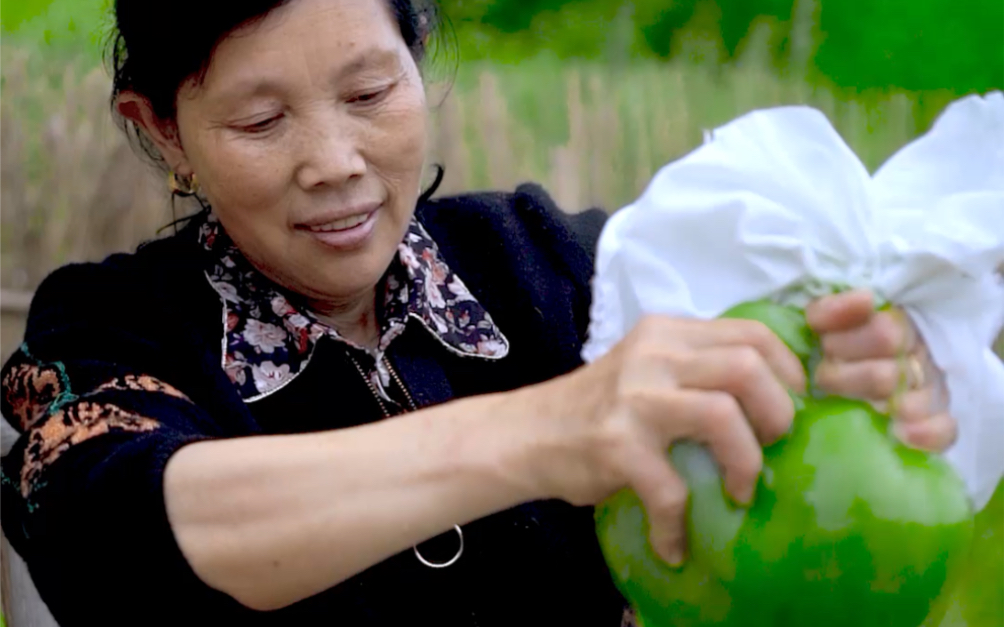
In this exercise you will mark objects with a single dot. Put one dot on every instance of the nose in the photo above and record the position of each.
(330, 152)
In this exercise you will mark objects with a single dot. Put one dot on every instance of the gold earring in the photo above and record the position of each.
(182, 186)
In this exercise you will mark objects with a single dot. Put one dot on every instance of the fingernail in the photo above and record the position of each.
(744, 497)
(747, 501)
(674, 557)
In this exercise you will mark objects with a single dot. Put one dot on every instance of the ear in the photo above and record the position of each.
(163, 133)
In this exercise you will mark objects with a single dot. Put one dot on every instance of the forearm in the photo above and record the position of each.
(271, 520)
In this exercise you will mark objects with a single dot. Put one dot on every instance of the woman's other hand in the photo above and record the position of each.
(723, 383)
(879, 356)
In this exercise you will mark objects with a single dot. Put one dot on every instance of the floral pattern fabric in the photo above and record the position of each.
(269, 341)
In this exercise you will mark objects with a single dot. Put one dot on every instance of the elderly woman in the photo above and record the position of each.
(331, 399)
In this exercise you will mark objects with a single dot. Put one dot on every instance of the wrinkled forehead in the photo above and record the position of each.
(313, 41)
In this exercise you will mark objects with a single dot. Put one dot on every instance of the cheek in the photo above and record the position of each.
(244, 179)
(398, 142)
(236, 175)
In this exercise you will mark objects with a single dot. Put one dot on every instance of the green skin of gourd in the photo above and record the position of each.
(848, 526)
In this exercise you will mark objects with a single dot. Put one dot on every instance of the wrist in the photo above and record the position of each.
(541, 452)
(512, 428)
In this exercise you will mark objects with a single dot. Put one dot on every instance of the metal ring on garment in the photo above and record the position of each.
(452, 560)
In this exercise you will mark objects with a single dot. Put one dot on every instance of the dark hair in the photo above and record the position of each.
(153, 52)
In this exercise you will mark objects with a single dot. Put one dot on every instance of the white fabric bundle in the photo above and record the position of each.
(776, 205)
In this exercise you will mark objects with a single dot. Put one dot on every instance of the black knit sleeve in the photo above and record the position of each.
(99, 415)
(583, 226)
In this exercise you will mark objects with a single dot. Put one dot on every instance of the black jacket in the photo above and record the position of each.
(94, 531)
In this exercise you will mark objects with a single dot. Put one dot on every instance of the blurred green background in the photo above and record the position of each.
(589, 97)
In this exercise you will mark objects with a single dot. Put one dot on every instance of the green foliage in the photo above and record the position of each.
(859, 44)
(68, 29)
(13, 14)
(920, 45)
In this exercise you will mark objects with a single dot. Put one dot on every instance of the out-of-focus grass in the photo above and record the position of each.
(594, 135)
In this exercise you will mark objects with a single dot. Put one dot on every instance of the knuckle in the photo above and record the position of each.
(884, 377)
(830, 343)
(746, 364)
(608, 438)
(913, 407)
(721, 411)
(648, 325)
(889, 334)
(940, 433)
(825, 374)
(614, 437)
(644, 353)
(669, 504)
(640, 401)
(757, 333)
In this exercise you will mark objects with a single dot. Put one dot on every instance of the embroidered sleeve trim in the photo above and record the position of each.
(30, 390)
(52, 418)
(141, 383)
(76, 423)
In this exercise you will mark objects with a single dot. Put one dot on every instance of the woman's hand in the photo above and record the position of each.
(723, 383)
(879, 356)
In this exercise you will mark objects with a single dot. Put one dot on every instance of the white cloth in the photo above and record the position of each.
(775, 204)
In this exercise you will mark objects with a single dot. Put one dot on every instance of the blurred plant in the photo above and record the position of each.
(71, 29)
(921, 45)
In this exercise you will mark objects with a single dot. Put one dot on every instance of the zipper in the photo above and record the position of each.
(400, 384)
(387, 413)
(369, 384)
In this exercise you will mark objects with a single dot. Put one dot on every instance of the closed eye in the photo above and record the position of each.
(262, 126)
(370, 97)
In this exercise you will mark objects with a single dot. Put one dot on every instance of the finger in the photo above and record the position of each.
(739, 332)
(872, 379)
(886, 334)
(743, 372)
(839, 312)
(711, 418)
(935, 434)
(919, 405)
(717, 420)
(664, 495)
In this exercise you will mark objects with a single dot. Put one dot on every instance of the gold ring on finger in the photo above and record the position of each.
(916, 376)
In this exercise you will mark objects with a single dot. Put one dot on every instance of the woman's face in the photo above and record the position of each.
(308, 137)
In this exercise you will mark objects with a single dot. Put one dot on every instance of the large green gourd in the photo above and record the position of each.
(848, 527)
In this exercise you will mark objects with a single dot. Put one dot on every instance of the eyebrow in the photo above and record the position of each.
(365, 60)
(380, 57)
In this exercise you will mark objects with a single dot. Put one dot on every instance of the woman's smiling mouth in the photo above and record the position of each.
(340, 225)
(343, 233)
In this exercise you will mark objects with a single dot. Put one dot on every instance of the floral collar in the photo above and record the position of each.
(267, 340)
